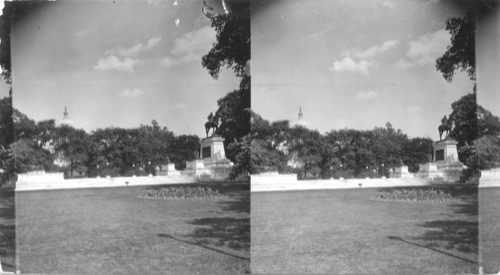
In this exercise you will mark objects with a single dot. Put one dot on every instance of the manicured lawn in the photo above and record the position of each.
(113, 230)
(345, 231)
(7, 230)
(489, 229)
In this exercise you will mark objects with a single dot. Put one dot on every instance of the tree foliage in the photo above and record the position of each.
(232, 51)
(461, 54)
(6, 122)
(338, 153)
(109, 151)
(472, 121)
(183, 148)
(488, 149)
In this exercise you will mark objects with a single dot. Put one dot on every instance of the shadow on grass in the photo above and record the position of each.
(451, 234)
(232, 232)
(430, 248)
(226, 232)
(223, 234)
(200, 245)
(459, 234)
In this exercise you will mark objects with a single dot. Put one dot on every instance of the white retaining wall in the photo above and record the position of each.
(262, 183)
(490, 178)
(51, 181)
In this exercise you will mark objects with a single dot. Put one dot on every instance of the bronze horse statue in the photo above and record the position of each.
(212, 123)
(445, 126)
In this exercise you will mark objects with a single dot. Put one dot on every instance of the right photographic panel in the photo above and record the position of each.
(376, 144)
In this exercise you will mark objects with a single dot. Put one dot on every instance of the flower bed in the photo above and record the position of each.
(184, 192)
(416, 195)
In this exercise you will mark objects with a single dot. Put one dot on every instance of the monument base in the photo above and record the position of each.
(215, 169)
(214, 165)
(168, 170)
(402, 172)
(196, 168)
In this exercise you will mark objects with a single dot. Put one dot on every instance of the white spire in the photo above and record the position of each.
(65, 113)
(65, 120)
(300, 121)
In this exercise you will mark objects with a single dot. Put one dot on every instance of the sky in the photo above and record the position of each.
(354, 63)
(117, 63)
(488, 56)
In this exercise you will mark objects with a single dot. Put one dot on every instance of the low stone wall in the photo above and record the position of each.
(50, 182)
(490, 178)
(263, 183)
(39, 177)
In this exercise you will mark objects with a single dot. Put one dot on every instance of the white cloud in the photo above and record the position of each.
(322, 32)
(389, 44)
(190, 47)
(389, 4)
(349, 65)
(179, 106)
(376, 50)
(153, 42)
(365, 58)
(136, 49)
(404, 64)
(425, 49)
(193, 45)
(169, 62)
(413, 109)
(154, 2)
(114, 63)
(131, 93)
(83, 32)
(364, 95)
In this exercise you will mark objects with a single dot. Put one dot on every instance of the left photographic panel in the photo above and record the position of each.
(7, 167)
(132, 121)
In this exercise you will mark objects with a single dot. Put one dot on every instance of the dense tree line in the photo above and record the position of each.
(110, 151)
(339, 153)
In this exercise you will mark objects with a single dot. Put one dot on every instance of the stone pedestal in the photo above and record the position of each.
(445, 151)
(212, 148)
(446, 158)
(446, 167)
(402, 172)
(213, 163)
(429, 171)
(168, 170)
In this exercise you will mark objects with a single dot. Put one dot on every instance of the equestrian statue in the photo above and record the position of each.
(446, 125)
(212, 123)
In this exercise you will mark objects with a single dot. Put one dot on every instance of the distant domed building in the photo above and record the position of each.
(300, 121)
(65, 120)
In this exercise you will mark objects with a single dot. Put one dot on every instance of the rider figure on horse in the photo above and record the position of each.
(445, 126)
(213, 122)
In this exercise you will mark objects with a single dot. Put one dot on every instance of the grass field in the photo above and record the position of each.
(7, 230)
(489, 229)
(345, 231)
(114, 230)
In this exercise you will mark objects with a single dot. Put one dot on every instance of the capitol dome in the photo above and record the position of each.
(65, 120)
(300, 121)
